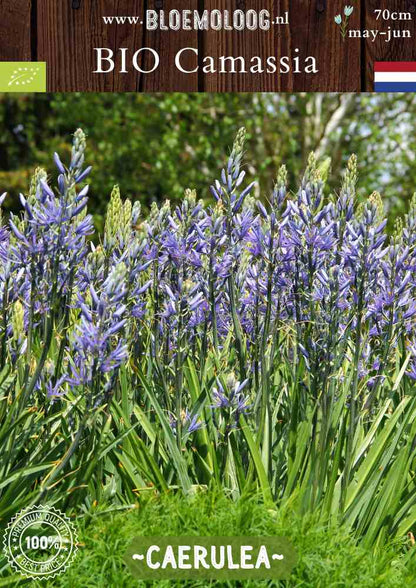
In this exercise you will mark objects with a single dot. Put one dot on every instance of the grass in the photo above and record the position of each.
(327, 557)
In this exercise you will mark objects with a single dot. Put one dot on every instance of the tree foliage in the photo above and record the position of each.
(168, 142)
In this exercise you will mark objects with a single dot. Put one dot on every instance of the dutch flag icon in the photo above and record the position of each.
(395, 76)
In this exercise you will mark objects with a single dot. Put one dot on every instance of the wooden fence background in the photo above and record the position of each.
(64, 32)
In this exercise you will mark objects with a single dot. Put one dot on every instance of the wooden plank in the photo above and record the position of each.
(241, 43)
(167, 78)
(15, 30)
(311, 29)
(67, 38)
(398, 49)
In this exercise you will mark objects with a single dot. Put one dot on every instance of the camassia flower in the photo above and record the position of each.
(259, 341)
(97, 345)
(300, 275)
(49, 240)
(230, 398)
(189, 423)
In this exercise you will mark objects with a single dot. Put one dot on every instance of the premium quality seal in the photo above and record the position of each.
(40, 542)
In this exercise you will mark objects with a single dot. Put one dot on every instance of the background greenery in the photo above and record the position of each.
(168, 142)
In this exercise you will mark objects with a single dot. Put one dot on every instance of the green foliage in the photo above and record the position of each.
(129, 449)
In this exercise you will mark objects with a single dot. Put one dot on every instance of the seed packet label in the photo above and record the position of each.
(210, 558)
(22, 76)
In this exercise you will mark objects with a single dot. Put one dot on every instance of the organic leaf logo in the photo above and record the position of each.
(23, 76)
